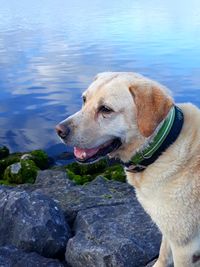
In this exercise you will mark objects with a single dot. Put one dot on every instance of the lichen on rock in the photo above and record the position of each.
(24, 171)
(7, 161)
(17, 168)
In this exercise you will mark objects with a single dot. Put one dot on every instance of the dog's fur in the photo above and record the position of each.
(168, 189)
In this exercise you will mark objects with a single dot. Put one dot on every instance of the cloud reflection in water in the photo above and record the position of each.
(51, 50)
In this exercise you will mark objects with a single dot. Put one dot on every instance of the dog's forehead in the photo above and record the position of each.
(108, 86)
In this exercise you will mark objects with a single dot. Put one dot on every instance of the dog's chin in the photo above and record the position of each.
(99, 152)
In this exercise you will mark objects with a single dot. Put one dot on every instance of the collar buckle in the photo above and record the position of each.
(144, 156)
(135, 168)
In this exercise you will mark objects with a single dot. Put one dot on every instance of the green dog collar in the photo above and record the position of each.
(165, 136)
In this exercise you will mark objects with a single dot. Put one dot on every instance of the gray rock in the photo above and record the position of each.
(21, 172)
(10, 256)
(99, 192)
(26, 156)
(51, 182)
(120, 235)
(32, 221)
(110, 227)
(15, 168)
(52, 178)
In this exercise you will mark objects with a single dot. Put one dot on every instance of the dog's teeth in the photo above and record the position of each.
(84, 155)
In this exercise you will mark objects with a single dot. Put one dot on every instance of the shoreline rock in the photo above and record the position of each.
(112, 236)
(10, 256)
(32, 222)
(55, 222)
(109, 226)
(19, 168)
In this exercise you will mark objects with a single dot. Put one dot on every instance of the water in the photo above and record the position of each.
(51, 50)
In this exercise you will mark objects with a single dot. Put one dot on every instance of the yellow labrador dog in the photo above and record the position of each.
(133, 118)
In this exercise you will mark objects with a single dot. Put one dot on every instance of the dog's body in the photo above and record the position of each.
(169, 188)
(169, 191)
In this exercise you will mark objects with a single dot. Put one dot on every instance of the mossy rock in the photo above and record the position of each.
(21, 172)
(116, 173)
(4, 163)
(80, 179)
(82, 174)
(4, 152)
(82, 169)
(40, 158)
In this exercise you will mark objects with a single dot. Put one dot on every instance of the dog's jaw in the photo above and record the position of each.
(127, 150)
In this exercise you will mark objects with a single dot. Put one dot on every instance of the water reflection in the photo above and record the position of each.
(50, 51)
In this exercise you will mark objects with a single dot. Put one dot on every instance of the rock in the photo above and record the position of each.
(52, 183)
(121, 235)
(15, 168)
(84, 173)
(51, 178)
(99, 192)
(4, 152)
(10, 256)
(110, 227)
(26, 156)
(4, 163)
(12, 172)
(24, 171)
(32, 222)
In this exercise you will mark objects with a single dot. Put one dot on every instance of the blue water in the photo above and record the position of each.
(50, 50)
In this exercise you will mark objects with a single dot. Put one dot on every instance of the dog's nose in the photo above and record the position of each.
(62, 130)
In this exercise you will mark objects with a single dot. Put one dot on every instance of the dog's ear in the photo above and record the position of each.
(152, 105)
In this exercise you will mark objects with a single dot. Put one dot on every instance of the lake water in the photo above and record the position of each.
(51, 50)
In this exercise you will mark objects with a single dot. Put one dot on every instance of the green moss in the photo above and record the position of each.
(82, 169)
(24, 171)
(40, 158)
(4, 163)
(79, 179)
(4, 152)
(116, 173)
(5, 182)
(107, 196)
(29, 171)
(82, 174)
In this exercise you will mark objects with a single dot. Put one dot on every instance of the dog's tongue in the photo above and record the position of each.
(85, 153)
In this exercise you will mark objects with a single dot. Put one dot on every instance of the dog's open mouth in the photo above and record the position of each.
(93, 154)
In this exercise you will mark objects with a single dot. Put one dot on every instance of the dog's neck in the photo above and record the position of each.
(165, 135)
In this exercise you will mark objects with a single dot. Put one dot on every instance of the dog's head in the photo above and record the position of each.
(120, 111)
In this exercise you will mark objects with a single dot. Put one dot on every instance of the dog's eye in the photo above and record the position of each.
(105, 109)
(84, 99)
